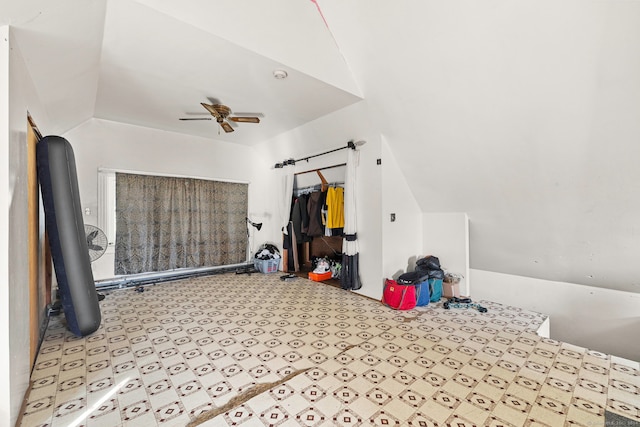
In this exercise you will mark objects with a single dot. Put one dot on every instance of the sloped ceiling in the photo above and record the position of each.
(523, 114)
(61, 45)
(150, 63)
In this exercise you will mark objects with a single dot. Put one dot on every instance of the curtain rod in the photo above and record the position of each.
(169, 175)
(350, 144)
(321, 169)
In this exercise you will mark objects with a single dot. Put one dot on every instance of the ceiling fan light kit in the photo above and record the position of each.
(222, 114)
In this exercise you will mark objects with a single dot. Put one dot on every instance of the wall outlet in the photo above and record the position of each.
(393, 217)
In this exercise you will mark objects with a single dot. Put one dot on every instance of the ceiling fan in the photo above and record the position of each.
(222, 113)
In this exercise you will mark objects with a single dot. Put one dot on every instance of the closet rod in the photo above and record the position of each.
(321, 169)
(350, 144)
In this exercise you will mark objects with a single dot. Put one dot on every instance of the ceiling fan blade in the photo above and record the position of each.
(212, 110)
(226, 126)
(194, 118)
(245, 119)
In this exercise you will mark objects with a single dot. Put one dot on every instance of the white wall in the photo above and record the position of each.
(15, 364)
(104, 144)
(534, 133)
(5, 197)
(401, 239)
(599, 319)
(446, 235)
(415, 234)
(369, 201)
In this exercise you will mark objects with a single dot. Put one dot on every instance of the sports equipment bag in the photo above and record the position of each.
(412, 277)
(435, 289)
(429, 262)
(423, 293)
(397, 296)
(419, 280)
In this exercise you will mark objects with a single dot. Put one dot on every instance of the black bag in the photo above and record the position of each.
(436, 274)
(428, 263)
(420, 279)
(412, 277)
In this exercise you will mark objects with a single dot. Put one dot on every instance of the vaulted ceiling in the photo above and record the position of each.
(523, 114)
(150, 63)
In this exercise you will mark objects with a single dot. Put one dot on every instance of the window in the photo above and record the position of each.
(159, 222)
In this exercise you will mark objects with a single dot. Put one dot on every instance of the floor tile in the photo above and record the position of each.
(305, 353)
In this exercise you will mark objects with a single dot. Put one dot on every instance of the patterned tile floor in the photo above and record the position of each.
(322, 356)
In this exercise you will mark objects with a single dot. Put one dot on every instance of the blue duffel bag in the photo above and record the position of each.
(421, 281)
(431, 267)
(435, 289)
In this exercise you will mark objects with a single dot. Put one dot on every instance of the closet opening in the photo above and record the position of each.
(317, 223)
(318, 217)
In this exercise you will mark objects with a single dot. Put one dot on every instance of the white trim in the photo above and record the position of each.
(106, 206)
(110, 170)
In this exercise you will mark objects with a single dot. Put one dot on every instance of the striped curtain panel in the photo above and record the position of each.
(164, 223)
(350, 274)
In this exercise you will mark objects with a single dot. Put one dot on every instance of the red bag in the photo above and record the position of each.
(399, 297)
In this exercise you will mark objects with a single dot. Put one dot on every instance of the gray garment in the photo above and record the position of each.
(314, 208)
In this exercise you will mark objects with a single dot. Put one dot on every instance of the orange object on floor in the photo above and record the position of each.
(319, 277)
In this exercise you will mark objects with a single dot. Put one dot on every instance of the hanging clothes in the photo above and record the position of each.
(303, 201)
(335, 207)
(300, 218)
(314, 209)
(291, 247)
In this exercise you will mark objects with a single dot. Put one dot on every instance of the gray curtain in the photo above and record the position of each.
(164, 223)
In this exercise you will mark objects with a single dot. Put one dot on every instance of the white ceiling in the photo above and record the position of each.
(523, 114)
(150, 63)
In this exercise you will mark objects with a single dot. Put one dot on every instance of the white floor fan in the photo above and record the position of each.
(97, 243)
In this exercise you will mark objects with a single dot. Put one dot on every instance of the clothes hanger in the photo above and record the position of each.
(325, 184)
